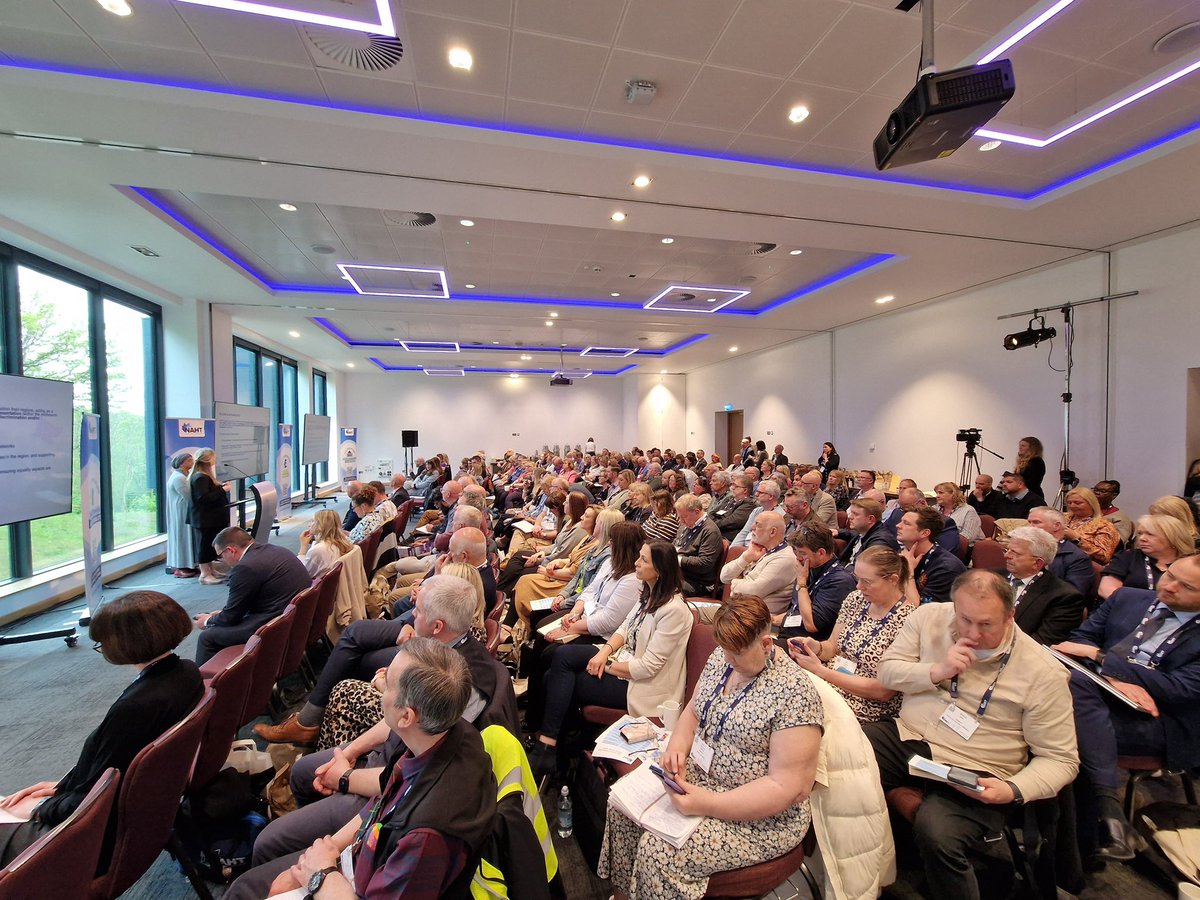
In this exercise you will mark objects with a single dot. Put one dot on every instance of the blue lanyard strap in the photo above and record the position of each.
(1165, 647)
(716, 737)
(987, 695)
(870, 639)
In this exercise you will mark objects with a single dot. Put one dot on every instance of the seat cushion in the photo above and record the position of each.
(761, 878)
(220, 660)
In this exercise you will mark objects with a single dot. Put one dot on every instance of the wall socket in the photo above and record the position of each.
(871, 449)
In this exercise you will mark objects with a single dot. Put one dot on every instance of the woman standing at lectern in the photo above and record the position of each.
(210, 512)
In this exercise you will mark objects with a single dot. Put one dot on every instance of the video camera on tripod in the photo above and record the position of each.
(970, 464)
(969, 436)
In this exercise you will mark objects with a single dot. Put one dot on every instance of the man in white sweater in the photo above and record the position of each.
(765, 569)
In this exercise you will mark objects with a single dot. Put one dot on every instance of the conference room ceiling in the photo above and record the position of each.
(537, 146)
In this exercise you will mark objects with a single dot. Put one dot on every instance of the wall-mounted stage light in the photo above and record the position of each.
(1033, 335)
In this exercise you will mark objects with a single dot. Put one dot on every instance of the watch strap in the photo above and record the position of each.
(344, 782)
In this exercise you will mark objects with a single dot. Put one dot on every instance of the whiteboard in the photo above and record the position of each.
(36, 426)
(315, 448)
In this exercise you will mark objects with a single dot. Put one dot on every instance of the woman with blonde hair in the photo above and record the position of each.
(557, 577)
(1177, 508)
(323, 543)
(1087, 527)
(952, 503)
(1160, 541)
(1030, 463)
(470, 574)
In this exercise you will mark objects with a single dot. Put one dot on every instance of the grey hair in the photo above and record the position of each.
(451, 599)
(719, 477)
(688, 501)
(1041, 544)
(981, 582)
(436, 684)
(771, 487)
(1050, 513)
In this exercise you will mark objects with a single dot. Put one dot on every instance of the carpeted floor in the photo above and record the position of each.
(53, 696)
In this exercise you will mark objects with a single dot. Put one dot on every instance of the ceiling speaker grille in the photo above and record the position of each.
(355, 49)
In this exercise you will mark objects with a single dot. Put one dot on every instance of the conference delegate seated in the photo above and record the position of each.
(370, 519)
(1182, 508)
(1086, 526)
(1048, 608)
(643, 665)
(744, 754)
(870, 618)
(564, 579)
(576, 530)
(662, 524)
(323, 543)
(139, 629)
(765, 569)
(698, 545)
(933, 567)
(1070, 563)
(1146, 644)
(865, 530)
(822, 583)
(952, 503)
(545, 524)
(1160, 541)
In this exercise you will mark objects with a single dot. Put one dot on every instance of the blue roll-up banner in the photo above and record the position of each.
(283, 470)
(348, 454)
(89, 505)
(186, 436)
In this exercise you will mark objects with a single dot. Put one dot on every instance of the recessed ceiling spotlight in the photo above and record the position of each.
(642, 181)
(733, 349)
(797, 114)
(618, 217)
(795, 252)
(710, 299)
(469, 286)
(460, 58)
(668, 240)
(662, 372)
(615, 294)
(525, 357)
(549, 323)
(116, 7)
(513, 375)
(294, 333)
(554, 315)
(989, 145)
(495, 342)
(349, 365)
(887, 298)
(287, 207)
(466, 223)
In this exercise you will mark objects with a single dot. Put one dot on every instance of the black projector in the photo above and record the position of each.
(560, 381)
(941, 113)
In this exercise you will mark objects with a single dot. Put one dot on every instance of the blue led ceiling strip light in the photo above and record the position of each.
(481, 370)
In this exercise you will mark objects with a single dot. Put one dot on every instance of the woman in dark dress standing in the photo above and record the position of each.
(141, 629)
(829, 462)
(210, 512)
(1030, 463)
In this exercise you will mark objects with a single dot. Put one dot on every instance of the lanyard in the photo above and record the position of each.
(987, 695)
(631, 634)
(1013, 581)
(771, 552)
(874, 634)
(716, 737)
(1151, 573)
(1156, 658)
(812, 588)
(924, 561)
(378, 814)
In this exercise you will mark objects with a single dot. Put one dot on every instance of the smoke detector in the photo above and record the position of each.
(640, 93)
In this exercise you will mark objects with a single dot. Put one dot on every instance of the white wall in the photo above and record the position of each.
(661, 411)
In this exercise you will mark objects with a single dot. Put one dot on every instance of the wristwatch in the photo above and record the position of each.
(1018, 797)
(317, 880)
(344, 782)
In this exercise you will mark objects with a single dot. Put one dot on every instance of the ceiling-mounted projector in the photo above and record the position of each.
(941, 113)
(560, 381)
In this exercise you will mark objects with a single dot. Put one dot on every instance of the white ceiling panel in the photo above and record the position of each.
(576, 69)
(141, 59)
(430, 39)
(672, 77)
(74, 50)
(288, 81)
(880, 39)
(683, 29)
(250, 37)
(368, 91)
(155, 24)
(496, 12)
(460, 104)
(824, 105)
(725, 98)
(558, 119)
(595, 21)
(772, 38)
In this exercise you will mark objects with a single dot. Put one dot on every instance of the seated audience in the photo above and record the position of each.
(1146, 645)
(567, 575)
(866, 530)
(823, 505)
(933, 568)
(641, 666)
(1181, 508)
(1016, 500)
(1048, 608)
(637, 506)
(370, 519)
(767, 496)
(1106, 494)
(978, 694)
(675, 485)
(732, 506)
(864, 481)
(698, 547)
(616, 500)
(263, 581)
(869, 620)
(952, 503)
(1095, 535)
(836, 488)
(546, 525)
(983, 499)
(383, 503)
(1070, 563)
(424, 831)
(574, 529)
(323, 543)
(797, 510)
(1160, 541)
(139, 629)
(822, 583)
(662, 524)
(399, 493)
(752, 791)
(765, 569)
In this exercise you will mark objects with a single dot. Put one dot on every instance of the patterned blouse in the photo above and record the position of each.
(864, 640)
(1098, 538)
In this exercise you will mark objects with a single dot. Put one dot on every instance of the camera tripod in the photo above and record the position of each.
(970, 465)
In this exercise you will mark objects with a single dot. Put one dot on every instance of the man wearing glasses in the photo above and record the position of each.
(767, 497)
(264, 579)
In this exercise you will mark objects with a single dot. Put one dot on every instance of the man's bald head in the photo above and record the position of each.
(467, 517)
(468, 545)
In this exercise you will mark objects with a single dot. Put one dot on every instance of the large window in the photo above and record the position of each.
(265, 378)
(59, 324)
(320, 407)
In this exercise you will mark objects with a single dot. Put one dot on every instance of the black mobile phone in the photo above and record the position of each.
(666, 779)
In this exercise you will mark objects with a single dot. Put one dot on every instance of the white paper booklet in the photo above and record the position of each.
(642, 798)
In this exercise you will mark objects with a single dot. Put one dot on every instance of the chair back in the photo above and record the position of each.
(400, 523)
(441, 543)
(327, 587)
(231, 686)
(963, 546)
(843, 519)
(492, 627)
(700, 646)
(369, 547)
(149, 801)
(274, 636)
(62, 862)
(306, 608)
(731, 553)
(497, 612)
(988, 523)
(987, 554)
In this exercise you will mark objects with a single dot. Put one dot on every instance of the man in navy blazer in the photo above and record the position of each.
(1147, 644)
(1070, 563)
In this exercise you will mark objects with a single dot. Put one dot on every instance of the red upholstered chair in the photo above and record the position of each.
(370, 547)
(62, 862)
(987, 554)
(732, 553)
(492, 627)
(441, 543)
(306, 609)
(763, 878)
(1140, 767)
(989, 525)
(400, 522)
(149, 800)
(497, 613)
(843, 519)
(274, 636)
(231, 686)
(963, 547)
(838, 546)
(327, 587)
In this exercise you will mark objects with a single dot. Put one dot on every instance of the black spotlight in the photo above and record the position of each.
(1033, 335)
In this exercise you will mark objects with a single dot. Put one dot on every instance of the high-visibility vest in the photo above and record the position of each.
(513, 774)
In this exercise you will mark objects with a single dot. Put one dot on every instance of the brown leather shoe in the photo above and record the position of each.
(289, 731)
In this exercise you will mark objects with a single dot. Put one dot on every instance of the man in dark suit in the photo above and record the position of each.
(1016, 500)
(731, 515)
(747, 452)
(1048, 608)
(983, 498)
(1146, 644)
(264, 580)
(399, 491)
(1070, 564)
(865, 530)
(698, 544)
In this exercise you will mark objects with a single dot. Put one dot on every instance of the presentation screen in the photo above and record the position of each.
(36, 425)
(243, 442)
(315, 447)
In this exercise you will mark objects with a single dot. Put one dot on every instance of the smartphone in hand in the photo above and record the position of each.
(666, 779)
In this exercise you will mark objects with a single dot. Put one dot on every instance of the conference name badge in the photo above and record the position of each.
(845, 666)
(961, 723)
(701, 754)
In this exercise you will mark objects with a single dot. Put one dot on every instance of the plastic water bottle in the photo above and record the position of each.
(566, 814)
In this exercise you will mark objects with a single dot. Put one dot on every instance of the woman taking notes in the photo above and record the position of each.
(323, 543)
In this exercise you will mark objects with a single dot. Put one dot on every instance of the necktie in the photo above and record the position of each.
(1143, 633)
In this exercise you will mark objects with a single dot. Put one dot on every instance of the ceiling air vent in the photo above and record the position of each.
(355, 49)
(408, 219)
(761, 249)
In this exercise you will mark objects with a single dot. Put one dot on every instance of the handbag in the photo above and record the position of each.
(246, 757)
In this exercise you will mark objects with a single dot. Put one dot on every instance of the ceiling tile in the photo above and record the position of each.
(1053, 108)
(460, 105)
(861, 47)
(286, 81)
(138, 59)
(577, 68)
(990, 16)
(73, 51)
(365, 90)
(672, 76)
(725, 98)
(430, 39)
(824, 105)
(155, 24)
(1086, 34)
(760, 147)
(250, 37)
(685, 29)
(711, 140)
(1037, 71)
(40, 16)
(820, 156)
(1136, 53)
(626, 127)
(593, 21)
(855, 129)
(498, 12)
(565, 120)
(772, 37)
